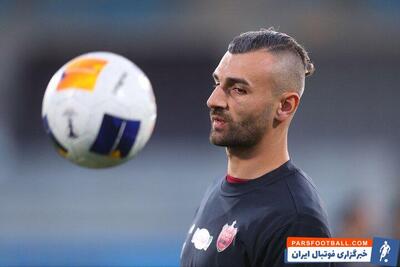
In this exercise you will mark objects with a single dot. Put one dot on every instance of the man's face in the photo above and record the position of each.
(242, 104)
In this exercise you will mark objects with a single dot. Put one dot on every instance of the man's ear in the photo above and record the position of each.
(287, 106)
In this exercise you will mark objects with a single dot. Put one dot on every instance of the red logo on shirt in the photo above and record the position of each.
(226, 236)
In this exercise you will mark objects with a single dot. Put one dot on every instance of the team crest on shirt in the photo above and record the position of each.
(201, 239)
(226, 236)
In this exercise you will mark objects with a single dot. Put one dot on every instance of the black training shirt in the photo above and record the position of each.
(247, 224)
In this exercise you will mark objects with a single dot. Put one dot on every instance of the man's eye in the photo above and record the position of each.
(239, 91)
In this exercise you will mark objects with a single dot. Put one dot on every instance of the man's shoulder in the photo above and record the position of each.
(296, 201)
(292, 193)
(304, 195)
(302, 212)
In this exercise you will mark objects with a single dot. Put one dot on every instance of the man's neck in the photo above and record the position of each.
(253, 162)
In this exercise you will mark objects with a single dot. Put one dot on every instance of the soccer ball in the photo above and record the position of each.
(99, 110)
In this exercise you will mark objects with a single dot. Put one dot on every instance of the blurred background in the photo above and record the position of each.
(345, 135)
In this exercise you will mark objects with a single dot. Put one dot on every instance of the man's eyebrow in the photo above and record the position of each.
(232, 80)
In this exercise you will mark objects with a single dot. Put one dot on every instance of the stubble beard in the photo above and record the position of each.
(245, 133)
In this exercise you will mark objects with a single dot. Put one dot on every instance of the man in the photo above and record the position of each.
(245, 218)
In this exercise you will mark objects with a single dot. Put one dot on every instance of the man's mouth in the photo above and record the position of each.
(218, 122)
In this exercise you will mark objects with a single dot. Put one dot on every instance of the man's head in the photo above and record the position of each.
(258, 85)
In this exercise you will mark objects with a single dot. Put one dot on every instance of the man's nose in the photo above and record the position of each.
(217, 98)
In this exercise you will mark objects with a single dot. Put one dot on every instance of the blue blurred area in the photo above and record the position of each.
(105, 11)
(101, 253)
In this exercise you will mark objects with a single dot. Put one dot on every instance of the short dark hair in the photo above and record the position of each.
(272, 41)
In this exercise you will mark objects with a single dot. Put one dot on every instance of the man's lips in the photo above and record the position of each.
(218, 122)
(217, 118)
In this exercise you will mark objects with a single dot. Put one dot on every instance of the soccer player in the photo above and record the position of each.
(384, 250)
(245, 217)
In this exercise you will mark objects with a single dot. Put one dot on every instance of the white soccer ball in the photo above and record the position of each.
(99, 110)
